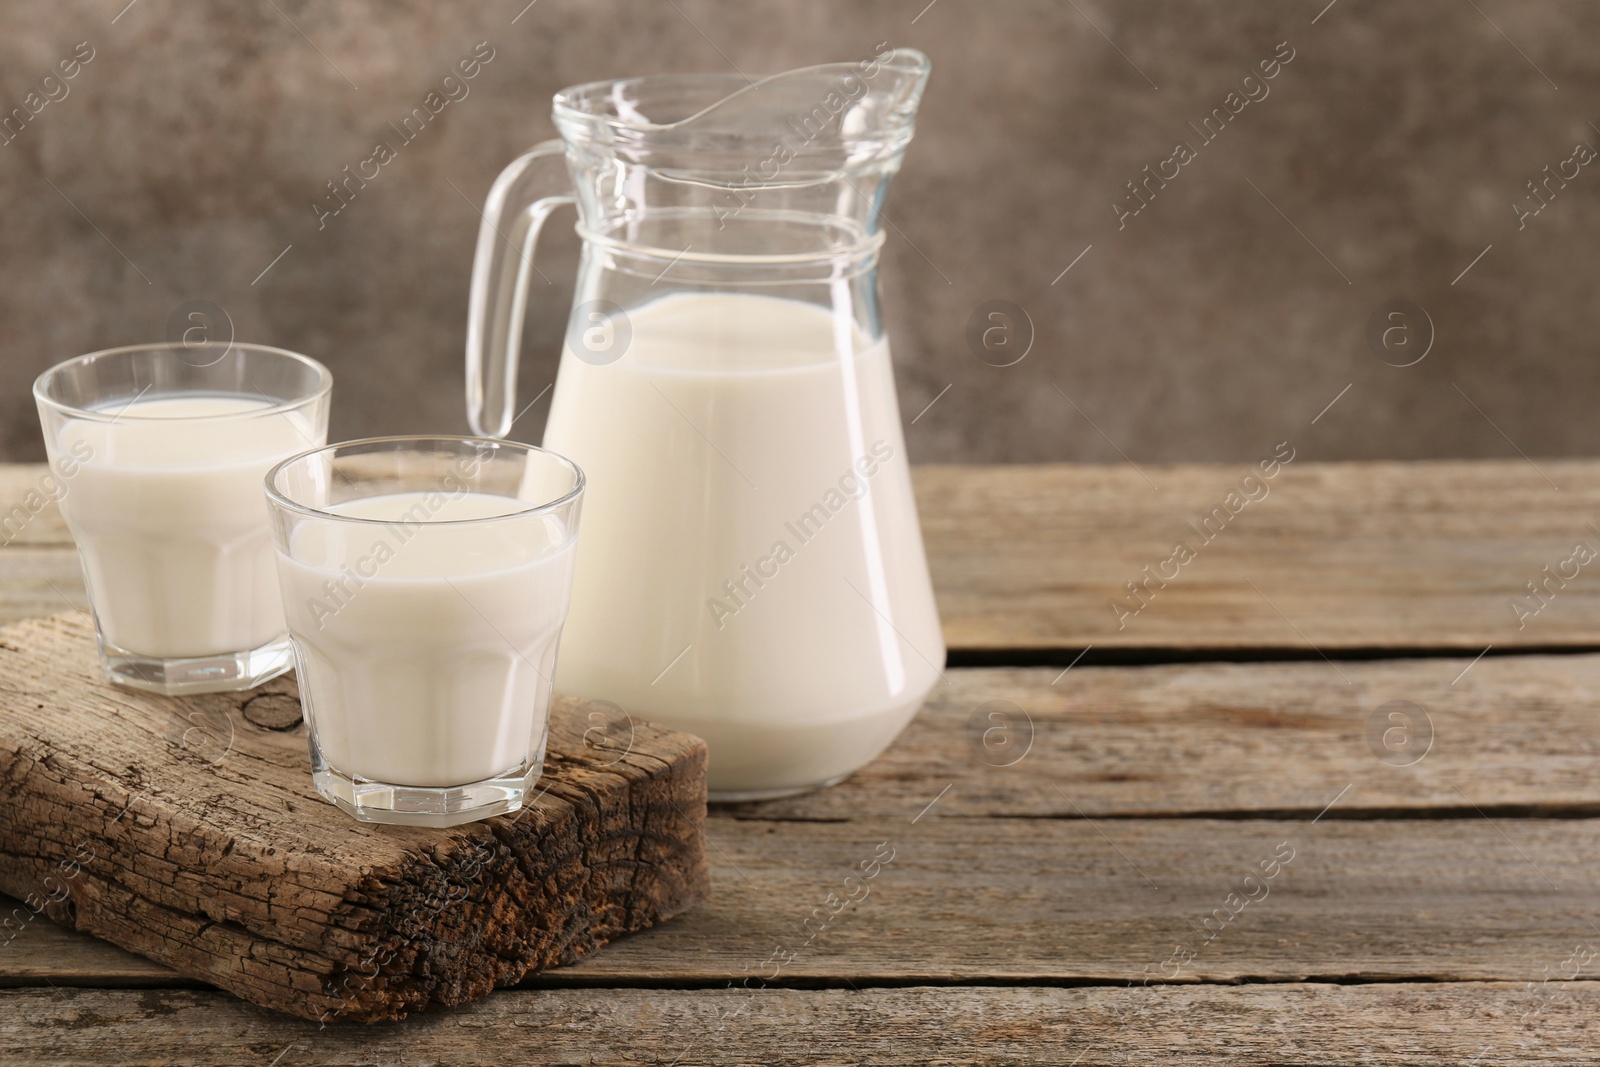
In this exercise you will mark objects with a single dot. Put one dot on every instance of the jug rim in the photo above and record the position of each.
(581, 105)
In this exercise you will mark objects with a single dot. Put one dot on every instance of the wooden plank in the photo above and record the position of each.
(189, 831)
(36, 952)
(1114, 901)
(1482, 1024)
(39, 580)
(1107, 901)
(1341, 556)
(1503, 733)
(28, 511)
(1512, 735)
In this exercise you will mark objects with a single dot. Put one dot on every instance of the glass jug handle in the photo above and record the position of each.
(500, 276)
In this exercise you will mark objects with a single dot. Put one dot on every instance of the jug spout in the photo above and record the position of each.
(868, 107)
(816, 109)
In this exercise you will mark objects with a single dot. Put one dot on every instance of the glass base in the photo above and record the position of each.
(411, 805)
(736, 796)
(223, 673)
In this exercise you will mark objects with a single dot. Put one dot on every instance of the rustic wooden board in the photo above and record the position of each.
(1418, 1025)
(1068, 900)
(1028, 558)
(189, 832)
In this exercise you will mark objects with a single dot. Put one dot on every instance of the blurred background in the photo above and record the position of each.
(1425, 152)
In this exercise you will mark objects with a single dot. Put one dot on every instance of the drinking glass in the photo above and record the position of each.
(160, 451)
(426, 580)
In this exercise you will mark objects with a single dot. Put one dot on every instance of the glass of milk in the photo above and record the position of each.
(426, 581)
(161, 449)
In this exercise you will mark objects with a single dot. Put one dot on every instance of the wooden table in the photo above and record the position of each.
(1327, 797)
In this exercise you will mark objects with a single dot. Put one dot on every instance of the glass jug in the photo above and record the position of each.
(751, 568)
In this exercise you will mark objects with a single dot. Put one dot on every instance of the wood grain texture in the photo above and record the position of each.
(183, 831)
(28, 511)
(1113, 901)
(1342, 556)
(1422, 736)
(40, 580)
(1069, 900)
(1418, 1025)
(1405, 930)
(37, 952)
(1267, 741)
(1029, 558)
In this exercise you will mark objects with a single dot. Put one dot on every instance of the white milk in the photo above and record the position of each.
(424, 650)
(171, 523)
(805, 645)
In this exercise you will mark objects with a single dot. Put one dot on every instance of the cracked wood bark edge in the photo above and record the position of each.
(190, 833)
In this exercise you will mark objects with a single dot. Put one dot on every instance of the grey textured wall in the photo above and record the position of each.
(1384, 159)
